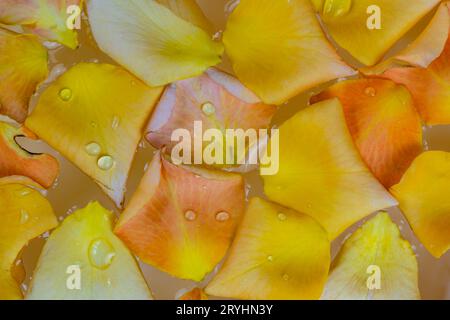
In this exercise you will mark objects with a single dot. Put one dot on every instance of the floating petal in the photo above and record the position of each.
(367, 29)
(23, 66)
(383, 122)
(25, 214)
(151, 41)
(216, 101)
(46, 18)
(189, 11)
(95, 114)
(374, 263)
(278, 49)
(182, 220)
(321, 172)
(15, 160)
(85, 245)
(278, 253)
(423, 197)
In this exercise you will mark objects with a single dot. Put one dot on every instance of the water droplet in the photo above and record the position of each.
(65, 94)
(222, 216)
(115, 122)
(270, 258)
(337, 8)
(93, 124)
(24, 216)
(208, 108)
(93, 149)
(285, 277)
(190, 215)
(370, 91)
(101, 253)
(105, 162)
(281, 216)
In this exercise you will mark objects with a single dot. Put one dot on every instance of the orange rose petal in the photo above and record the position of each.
(194, 294)
(216, 99)
(430, 87)
(15, 160)
(181, 220)
(46, 18)
(24, 215)
(383, 122)
(278, 253)
(23, 66)
(423, 194)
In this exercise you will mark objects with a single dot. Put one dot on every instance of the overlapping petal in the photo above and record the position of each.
(321, 172)
(189, 11)
(278, 253)
(278, 49)
(95, 116)
(151, 41)
(383, 122)
(23, 66)
(182, 220)
(85, 246)
(375, 263)
(25, 214)
(423, 197)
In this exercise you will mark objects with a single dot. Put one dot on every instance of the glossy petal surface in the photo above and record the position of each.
(85, 242)
(321, 172)
(383, 122)
(182, 220)
(278, 49)
(375, 263)
(95, 115)
(278, 253)
(423, 197)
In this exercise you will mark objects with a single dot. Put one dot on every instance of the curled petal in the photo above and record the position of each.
(214, 99)
(151, 41)
(278, 49)
(95, 114)
(375, 263)
(374, 26)
(278, 253)
(85, 245)
(425, 49)
(423, 197)
(23, 66)
(46, 18)
(16, 161)
(24, 214)
(383, 122)
(181, 220)
(316, 150)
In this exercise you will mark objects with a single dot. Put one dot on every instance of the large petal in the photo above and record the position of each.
(24, 214)
(151, 41)
(16, 161)
(423, 194)
(182, 220)
(216, 100)
(85, 242)
(348, 23)
(278, 49)
(46, 18)
(23, 66)
(278, 253)
(383, 122)
(321, 172)
(95, 115)
(374, 263)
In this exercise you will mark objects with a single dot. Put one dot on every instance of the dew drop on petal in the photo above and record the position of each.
(101, 254)
(93, 149)
(105, 162)
(222, 216)
(190, 215)
(65, 94)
